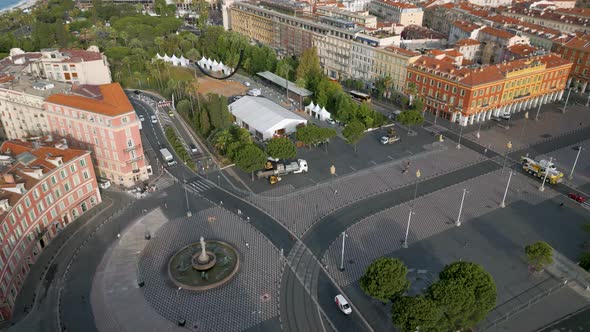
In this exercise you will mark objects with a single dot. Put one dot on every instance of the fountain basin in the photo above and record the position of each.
(185, 270)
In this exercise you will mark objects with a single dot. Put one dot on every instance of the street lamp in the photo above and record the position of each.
(508, 148)
(188, 209)
(460, 134)
(575, 162)
(344, 236)
(566, 100)
(542, 187)
(458, 223)
(503, 204)
(538, 110)
(405, 243)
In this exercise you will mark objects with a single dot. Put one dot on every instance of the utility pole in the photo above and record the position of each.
(566, 100)
(575, 162)
(503, 204)
(342, 254)
(542, 187)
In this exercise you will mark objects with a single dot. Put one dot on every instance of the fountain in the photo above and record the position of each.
(203, 265)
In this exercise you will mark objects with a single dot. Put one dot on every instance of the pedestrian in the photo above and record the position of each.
(165, 205)
(465, 244)
(247, 219)
(239, 212)
(561, 204)
(220, 202)
(335, 191)
(118, 235)
(247, 245)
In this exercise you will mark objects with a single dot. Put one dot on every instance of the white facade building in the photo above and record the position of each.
(73, 66)
(263, 118)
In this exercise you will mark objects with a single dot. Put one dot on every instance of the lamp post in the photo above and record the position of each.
(508, 147)
(405, 243)
(458, 223)
(460, 134)
(542, 187)
(588, 101)
(575, 162)
(503, 204)
(478, 135)
(538, 110)
(566, 100)
(188, 209)
(342, 254)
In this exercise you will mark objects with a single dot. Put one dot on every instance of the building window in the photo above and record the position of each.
(85, 175)
(40, 206)
(44, 187)
(27, 202)
(12, 219)
(57, 193)
(32, 215)
(53, 213)
(62, 206)
(73, 168)
(67, 186)
(53, 180)
(19, 210)
(83, 162)
(49, 199)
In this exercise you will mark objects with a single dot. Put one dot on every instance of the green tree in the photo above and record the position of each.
(205, 127)
(312, 134)
(385, 279)
(222, 139)
(585, 261)
(281, 148)
(410, 314)
(353, 132)
(250, 158)
(283, 69)
(410, 118)
(539, 254)
(309, 63)
(184, 107)
(465, 293)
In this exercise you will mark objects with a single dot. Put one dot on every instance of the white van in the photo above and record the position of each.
(103, 183)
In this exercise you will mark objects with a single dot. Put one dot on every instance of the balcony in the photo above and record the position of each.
(131, 148)
(134, 160)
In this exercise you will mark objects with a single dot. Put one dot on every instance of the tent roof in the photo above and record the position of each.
(261, 113)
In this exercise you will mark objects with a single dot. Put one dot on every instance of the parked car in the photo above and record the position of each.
(103, 183)
(154, 119)
(330, 121)
(342, 304)
(193, 148)
(247, 84)
(254, 92)
(171, 114)
(505, 116)
(141, 118)
(577, 197)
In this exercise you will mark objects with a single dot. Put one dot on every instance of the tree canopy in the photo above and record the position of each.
(539, 254)
(412, 313)
(281, 148)
(250, 158)
(465, 293)
(312, 134)
(353, 132)
(385, 279)
(410, 118)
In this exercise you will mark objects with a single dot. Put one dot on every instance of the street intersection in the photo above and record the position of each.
(303, 222)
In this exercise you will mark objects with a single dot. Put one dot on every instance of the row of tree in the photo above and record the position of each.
(462, 296)
(178, 147)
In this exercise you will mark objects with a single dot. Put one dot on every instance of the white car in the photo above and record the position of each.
(330, 121)
(254, 92)
(342, 304)
(247, 83)
(141, 118)
(154, 119)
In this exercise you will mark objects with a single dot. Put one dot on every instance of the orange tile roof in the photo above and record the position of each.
(523, 50)
(484, 74)
(498, 33)
(17, 169)
(111, 102)
(466, 26)
(453, 53)
(402, 5)
(403, 51)
(467, 42)
(581, 43)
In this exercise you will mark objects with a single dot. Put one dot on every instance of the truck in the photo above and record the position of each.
(299, 166)
(391, 137)
(168, 157)
(539, 168)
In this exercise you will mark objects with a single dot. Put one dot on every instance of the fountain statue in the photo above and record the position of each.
(203, 257)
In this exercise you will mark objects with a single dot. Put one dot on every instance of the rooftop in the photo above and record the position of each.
(578, 42)
(106, 99)
(466, 42)
(282, 82)
(522, 50)
(402, 5)
(497, 33)
(466, 26)
(402, 51)
(261, 113)
(29, 163)
(484, 74)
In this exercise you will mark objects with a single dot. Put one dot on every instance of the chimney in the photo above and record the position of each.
(437, 66)
(9, 178)
(36, 144)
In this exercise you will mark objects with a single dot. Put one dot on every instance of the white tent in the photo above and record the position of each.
(174, 60)
(166, 58)
(324, 115)
(317, 112)
(184, 61)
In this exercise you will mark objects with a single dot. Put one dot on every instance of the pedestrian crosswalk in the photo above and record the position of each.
(163, 182)
(198, 186)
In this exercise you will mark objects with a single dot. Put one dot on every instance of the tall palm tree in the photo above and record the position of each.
(387, 83)
(283, 69)
(222, 139)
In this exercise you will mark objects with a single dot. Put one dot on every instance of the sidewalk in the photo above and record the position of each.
(41, 275)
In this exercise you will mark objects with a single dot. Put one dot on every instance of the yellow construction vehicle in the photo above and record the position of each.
(539, 168)
(274, 179)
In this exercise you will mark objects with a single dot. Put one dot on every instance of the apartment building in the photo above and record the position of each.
(438, 17)
(463, 30)
(360, 18)
(355, 5)
(72, 66)
(44, 186)
(495, 43)
(469, 48)
(468, 95)
(491, 3)
(538, 35)
(548, 18)
(398, 12)
(576, 48)
(101, 119)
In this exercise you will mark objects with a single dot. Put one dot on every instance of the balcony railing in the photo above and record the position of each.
(134, 160)
(130, 148)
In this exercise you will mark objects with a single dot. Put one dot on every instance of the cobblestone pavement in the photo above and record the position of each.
(382, 233)
(117, 301)
(524, 132)
(299, 210)
(250, 298)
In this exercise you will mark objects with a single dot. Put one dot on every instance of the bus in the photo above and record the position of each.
(360, 96)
